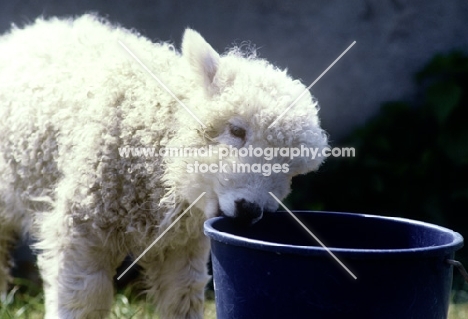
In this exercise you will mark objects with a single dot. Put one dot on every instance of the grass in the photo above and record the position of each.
(26, 302)
(458, 311)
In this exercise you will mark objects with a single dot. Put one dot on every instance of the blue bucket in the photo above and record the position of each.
(275, 269)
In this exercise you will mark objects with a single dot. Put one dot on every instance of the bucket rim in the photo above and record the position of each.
(236, 240)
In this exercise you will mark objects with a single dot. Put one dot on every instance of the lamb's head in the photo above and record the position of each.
(254, 128)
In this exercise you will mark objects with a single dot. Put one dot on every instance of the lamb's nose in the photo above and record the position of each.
(247, 211)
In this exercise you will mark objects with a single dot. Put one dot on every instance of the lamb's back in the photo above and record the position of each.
(70, 96)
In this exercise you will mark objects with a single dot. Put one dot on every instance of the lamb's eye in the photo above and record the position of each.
(237, 131)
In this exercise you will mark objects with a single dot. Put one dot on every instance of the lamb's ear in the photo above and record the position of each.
(203, 59)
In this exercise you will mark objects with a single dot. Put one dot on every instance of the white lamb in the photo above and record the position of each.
(71, 98)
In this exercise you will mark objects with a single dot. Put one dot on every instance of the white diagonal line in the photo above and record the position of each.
(160, 236)
(160, 82)
(308, 88)
(312, 234)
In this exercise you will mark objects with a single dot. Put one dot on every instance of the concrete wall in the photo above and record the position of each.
(394, 39)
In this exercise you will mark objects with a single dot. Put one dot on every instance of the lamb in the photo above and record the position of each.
(73, 100)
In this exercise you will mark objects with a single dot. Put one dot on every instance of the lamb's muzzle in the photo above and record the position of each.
(247, 212)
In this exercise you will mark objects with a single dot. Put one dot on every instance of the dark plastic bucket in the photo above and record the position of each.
(275, 269)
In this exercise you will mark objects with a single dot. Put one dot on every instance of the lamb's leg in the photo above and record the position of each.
(77, 270)
(177, 279)
(7, 238)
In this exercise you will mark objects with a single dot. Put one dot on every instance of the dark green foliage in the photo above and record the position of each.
(411, 159)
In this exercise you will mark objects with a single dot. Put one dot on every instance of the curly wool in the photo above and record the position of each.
(71, 97)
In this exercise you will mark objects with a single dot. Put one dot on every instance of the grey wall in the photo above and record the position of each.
(394, 39)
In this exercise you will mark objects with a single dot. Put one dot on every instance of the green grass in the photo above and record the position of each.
(458, 311)
(26, 302)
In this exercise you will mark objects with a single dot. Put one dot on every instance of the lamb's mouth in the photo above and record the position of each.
(241, 220)
(220, 213)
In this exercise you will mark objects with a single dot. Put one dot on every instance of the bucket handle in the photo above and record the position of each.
(459, 266)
